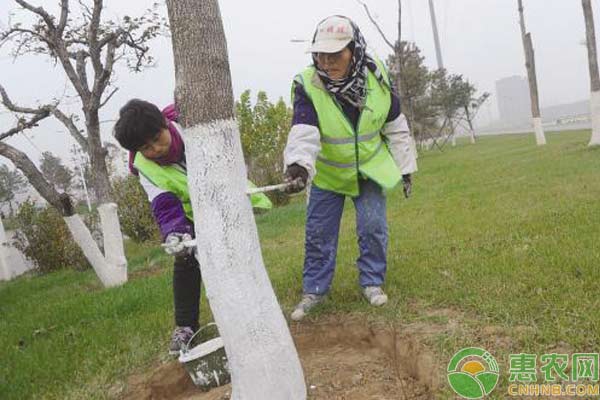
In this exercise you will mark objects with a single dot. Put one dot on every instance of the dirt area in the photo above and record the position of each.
(350, 360)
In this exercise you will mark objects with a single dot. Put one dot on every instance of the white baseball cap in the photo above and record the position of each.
(333, 34)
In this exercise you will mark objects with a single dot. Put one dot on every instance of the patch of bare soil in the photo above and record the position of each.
(350, 360)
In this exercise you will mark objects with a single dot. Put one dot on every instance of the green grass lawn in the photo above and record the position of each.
(503, 230)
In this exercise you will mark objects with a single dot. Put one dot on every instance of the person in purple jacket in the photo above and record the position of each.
(143, 129)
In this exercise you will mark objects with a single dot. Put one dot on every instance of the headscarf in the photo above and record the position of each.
(353, 88)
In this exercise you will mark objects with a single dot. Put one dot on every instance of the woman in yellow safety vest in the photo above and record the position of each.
(349, 138)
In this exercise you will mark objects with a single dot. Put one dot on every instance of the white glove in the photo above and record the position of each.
(174, 244)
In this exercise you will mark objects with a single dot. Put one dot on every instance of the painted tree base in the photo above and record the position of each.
(538, 130)
(112, 269)
(595, 114)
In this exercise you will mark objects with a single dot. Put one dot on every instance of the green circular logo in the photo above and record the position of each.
(473, 373)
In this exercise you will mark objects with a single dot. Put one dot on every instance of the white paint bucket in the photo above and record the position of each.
(206, 362)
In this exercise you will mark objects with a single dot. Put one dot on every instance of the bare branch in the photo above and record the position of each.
(48, 19)
(7, 102)
(65, 60)
(34, 176)
(73, 130)
(81, 71)
(5, 36)
(23, 124)
(92, 37)
(376, 25)
(64, 13)
(108, 97)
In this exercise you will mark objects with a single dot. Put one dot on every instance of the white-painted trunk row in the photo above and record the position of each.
(595, 114)
(112, 268)
(260, 350)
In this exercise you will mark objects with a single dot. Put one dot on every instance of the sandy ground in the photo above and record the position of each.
(349, 360)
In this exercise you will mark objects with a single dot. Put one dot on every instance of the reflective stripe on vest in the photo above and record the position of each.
(346, 152)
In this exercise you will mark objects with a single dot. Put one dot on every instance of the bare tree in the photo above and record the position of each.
(531, 75)
(590, 34)
(75, 43)
(262, 357)
(395, 47)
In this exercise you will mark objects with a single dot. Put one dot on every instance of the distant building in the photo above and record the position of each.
(514, 105)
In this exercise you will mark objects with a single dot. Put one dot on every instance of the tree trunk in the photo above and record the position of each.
(5, 272)
(398, 52)
(590, 33)
(531, 75)
(112, 271)
(436, 36)
(261, 354)
(470, 122)
(97, 155)
(114, 250)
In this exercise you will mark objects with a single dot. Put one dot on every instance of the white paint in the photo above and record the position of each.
(109, 275)
(595, 114)
(262, 358)
(201, 350)
(540, 138)
(453, 140)
(472, 135)
(5, 272)
(113, 239)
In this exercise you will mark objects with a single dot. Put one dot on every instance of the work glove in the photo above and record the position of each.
(297, 176)
(174, 244)
(407, 185)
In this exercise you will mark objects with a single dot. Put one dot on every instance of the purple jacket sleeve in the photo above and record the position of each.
(304, 111)
(170, 216)
(394, 108)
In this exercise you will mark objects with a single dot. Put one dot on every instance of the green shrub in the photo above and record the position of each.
(135, 214)
(264, 127)
(43, 237)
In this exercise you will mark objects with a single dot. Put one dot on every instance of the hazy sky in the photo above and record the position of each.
(480, 39)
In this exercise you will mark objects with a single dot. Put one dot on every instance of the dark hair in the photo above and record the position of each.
(139, 122)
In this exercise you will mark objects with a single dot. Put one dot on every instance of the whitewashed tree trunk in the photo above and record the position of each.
(532, 78)
(590, 33)
(112, 271)
(263, 360)
(538, 130)
(5, 272)
(113, 238)
(595, 115)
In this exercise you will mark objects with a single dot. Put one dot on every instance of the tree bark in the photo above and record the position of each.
(261, 354)
(590, 33)
(470, 122)
(532, 77)
(436, 37)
